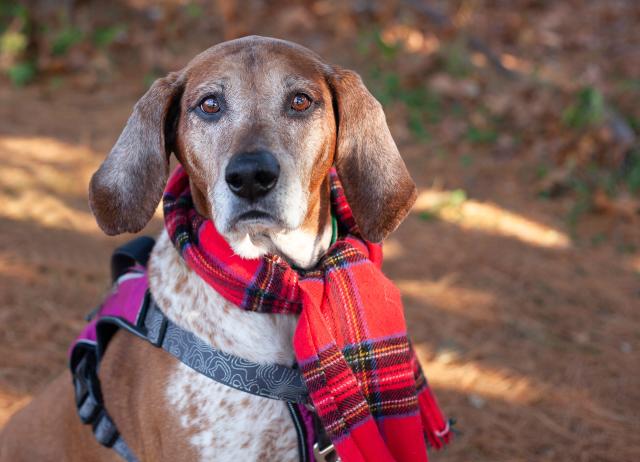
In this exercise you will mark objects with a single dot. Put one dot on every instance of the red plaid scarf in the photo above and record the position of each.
(351, 342)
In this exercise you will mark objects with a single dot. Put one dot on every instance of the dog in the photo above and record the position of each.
(257, 123)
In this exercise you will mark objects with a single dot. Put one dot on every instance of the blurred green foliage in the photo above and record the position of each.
(15, 26)
(456, 58)
(588, 109)
(104, 36)
(587, 113)
(193, 10)
(65, 39)
(481, 135)
(390, 86)
(631, 171)
(587, 181)
(22, 73)
(466, 160)
(24, 42)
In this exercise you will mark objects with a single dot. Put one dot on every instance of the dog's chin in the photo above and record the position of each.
(255, 223)
(250, 234)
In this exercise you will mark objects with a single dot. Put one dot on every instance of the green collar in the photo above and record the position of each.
(334, 229)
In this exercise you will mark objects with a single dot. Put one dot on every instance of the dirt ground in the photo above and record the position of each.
(522, 297)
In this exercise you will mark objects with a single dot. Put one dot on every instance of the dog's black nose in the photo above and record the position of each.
(251, 175)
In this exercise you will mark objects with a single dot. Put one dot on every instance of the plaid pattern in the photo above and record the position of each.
(351, 344)
(381, 379)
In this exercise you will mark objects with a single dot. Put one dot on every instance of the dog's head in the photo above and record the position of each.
(257, 123)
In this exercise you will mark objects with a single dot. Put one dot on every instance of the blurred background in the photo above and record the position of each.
(520, 122)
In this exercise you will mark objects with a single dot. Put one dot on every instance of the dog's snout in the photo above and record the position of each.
(251, 175)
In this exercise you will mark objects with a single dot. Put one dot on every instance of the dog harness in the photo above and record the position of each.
(130, 306)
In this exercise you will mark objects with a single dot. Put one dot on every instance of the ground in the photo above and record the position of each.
(519, 264)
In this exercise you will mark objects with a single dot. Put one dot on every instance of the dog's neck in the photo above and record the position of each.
(304, 246)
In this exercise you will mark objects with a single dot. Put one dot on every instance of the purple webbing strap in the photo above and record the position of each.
(307, 419)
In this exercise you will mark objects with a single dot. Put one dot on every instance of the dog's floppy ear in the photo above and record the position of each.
(125, 191)
(376, 182)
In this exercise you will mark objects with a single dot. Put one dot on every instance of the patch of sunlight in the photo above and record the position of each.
(40, 162)
(472, 378)
(40, 175)
(413, 40)
(44, 148)
(475, 215)
(392, 249)
(513, 63)
(10, 403)
(479, 60)
(159, 213)
(444, 295)
(45, 210)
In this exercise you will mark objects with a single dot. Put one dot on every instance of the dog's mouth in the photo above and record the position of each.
(254, 215)
(255, 220)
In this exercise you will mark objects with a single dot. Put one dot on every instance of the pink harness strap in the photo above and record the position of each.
(123, 302)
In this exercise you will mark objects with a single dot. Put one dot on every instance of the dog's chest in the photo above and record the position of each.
(223, 423)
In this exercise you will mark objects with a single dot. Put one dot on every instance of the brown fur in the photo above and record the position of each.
(49, 430)
(127, 187)
(375, 178)
(131, 374)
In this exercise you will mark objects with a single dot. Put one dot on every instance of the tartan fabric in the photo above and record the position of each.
(350, 342)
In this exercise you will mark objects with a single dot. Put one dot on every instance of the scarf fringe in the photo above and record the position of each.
(437, 429)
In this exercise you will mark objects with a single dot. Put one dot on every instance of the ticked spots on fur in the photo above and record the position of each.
(223, 423)
(227, 424)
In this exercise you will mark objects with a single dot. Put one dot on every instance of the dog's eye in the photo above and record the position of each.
(300, 102)
(210, 105)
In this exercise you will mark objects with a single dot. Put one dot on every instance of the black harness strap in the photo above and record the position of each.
(267, 380)
(137, 250)
(91, 407)
(301, 431)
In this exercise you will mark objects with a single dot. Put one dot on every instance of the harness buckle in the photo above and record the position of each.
(87, 395)
(327, 454)
(105, 430)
